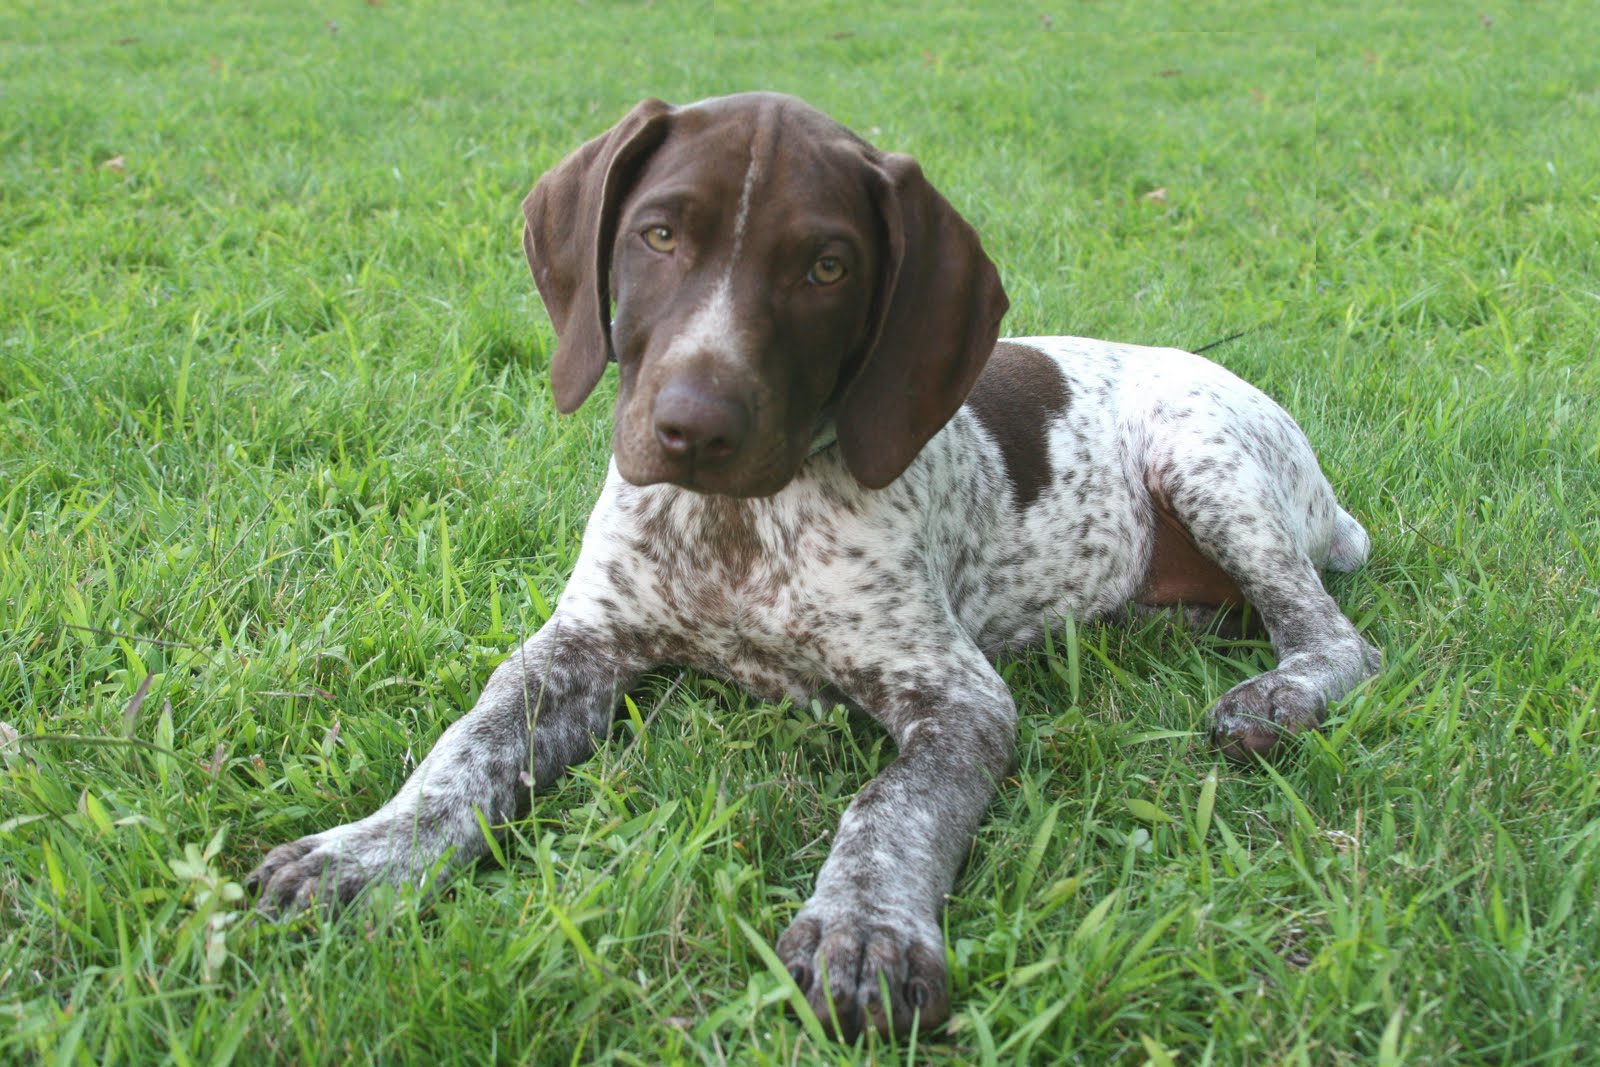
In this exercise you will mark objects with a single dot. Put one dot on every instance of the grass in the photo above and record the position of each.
(280, 481)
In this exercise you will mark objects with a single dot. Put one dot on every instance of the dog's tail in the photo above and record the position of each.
(1350, 543)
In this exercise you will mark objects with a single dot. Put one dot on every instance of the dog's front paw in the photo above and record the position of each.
(1253, 715)
(857, 954)
(329, 869)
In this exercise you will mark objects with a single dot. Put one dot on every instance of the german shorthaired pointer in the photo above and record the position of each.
(829, 480)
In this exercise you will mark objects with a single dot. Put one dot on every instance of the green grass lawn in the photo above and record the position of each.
(281, 481)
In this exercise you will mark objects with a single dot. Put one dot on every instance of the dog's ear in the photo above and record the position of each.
(571, 219)
(940, 303)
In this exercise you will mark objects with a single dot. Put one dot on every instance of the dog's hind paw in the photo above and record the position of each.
(1252, 716)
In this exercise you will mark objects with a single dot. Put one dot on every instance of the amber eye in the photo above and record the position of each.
(661, 238)
(826, 271)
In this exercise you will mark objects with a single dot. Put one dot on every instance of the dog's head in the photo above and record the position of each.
(768, 268)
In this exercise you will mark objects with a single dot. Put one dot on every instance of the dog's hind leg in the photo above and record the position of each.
(1264, 514)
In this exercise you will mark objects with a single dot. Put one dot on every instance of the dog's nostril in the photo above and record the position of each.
(672, 440)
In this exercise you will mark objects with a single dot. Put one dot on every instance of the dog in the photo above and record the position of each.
(831, 480)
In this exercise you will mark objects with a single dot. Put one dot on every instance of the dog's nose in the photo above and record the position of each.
(695, 425)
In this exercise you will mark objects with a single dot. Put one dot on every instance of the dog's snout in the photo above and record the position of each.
(694, 424)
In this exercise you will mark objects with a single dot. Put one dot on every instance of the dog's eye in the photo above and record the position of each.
(826, 271)
(661, 238)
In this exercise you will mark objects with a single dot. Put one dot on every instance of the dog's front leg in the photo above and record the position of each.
(871, 929)
(559, 689)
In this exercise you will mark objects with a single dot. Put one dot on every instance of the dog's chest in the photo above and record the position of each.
(825, 581)
(749, 590)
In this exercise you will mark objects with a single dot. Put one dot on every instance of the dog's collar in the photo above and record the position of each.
(825, 438)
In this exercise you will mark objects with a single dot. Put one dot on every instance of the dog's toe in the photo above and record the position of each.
(865, 971)
(279, 876)
(287, 879)
(327, 870)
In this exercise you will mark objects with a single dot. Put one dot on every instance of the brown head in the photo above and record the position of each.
(768, 269)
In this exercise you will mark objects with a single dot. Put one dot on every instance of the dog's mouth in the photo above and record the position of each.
(709, 479)
(757, 469)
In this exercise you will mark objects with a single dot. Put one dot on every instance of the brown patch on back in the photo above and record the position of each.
(1179, 573)
(1014, 398)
